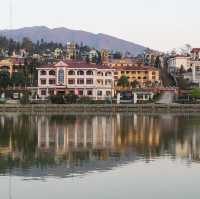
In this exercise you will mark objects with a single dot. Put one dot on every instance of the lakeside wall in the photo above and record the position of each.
(104, 108)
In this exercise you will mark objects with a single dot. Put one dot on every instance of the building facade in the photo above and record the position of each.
(79, 78)
(177, 62)
(142, 75)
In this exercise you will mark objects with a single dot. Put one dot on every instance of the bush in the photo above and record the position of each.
(71, 98)
(57, 99)
(85, 100)
(25, 98)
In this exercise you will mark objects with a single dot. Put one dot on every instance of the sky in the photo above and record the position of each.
(158, 24)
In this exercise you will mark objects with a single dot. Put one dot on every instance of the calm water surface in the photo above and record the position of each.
(100, 157)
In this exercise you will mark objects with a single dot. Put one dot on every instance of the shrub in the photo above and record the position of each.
(25, 98)
(57, 99)
(71, 98)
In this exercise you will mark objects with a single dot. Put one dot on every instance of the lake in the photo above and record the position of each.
(100, 156)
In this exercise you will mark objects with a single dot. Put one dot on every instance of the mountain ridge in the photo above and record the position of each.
(64, 35)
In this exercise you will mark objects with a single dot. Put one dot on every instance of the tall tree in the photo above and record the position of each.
(123, 81)
(4, 79)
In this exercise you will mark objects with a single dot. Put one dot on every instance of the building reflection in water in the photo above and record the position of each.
(95, 141)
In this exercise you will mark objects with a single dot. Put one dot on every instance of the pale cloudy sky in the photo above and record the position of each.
(159, 24)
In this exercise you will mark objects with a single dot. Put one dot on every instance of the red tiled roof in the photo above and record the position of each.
(76, 64)
(136, 68)
(195, 50)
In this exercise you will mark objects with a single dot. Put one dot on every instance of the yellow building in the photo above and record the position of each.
(105, 55)
(142, 74)
(116, 63)
(11, 65)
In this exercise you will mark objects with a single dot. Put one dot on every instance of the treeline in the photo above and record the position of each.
(8, 46)
(39, 47)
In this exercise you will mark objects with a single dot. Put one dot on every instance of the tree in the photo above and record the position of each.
(183, 83)
(4, 79)
(123, 81)
(135, 84)
(27, 44)
(195, 93)
(117, 55)
(158, 62)
(18, 79)
(182, 70)
(71, 98)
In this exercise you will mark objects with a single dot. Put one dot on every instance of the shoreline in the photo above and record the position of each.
(100, 108)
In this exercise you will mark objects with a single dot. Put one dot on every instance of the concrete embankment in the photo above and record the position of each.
(82, 108)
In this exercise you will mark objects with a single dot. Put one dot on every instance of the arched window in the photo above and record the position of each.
(100, 73)
(108, 73)
(89, 72)
(61, 76)
(71, 72)
(80, 72)
(43, 72)
(52, 72)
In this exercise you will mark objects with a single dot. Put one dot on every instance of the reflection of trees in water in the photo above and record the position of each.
(147, 136)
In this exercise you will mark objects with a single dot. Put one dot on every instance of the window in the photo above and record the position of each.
(43, 92)
(80, 72)
(52, 81)
(153, 73)
(144, 77)
(89, 72)
(52, 72)
(80, 81)
(43, 72)
(133, 72)
(153, 77)
(108, 93)
(43, 81)
(139, 77)
(61, 76)
(108, 73)
(108, 82)
(89, 81)
(100, 73)
(71, 72)
(116, 73)
(71, 81)
(89, 92)
(99, 93)
(51, 92)
(99, 81)
(80, 92)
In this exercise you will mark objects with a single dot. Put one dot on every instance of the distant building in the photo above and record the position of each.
(75, 77)
(177, 62)
(11, 65)
(93, 55)
(106, 55)
(72, 51)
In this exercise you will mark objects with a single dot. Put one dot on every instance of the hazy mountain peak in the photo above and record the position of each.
(63, 35)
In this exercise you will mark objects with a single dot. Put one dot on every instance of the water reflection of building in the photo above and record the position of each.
(93, 132)
(98, 133)
(90, 142)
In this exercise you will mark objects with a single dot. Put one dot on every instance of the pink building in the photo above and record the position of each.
(80, 78)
